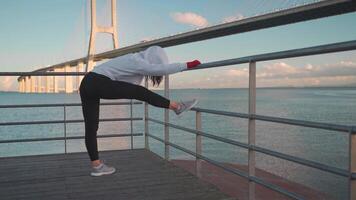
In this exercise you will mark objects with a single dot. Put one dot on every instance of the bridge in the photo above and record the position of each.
(257, 187)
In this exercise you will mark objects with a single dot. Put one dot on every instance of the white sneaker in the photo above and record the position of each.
(185, 105)
(102, 169)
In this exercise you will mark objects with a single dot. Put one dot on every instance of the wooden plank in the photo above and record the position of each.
(141, 175)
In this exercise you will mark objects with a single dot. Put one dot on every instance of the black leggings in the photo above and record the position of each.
(95, 87)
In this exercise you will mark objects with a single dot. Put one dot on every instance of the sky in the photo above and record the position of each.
(38, 33)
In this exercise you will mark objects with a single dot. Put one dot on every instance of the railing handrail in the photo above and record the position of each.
(293, 53)
(67, 121)
(65, 104)
(295, 122)
(67, 138)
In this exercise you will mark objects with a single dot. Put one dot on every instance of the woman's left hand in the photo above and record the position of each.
(193, 64)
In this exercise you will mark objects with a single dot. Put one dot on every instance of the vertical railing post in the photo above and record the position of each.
(251, 127)
(198, 147)
(352, 161)
(166, 118)
(65, 129)
(146, 120)
(131, 124)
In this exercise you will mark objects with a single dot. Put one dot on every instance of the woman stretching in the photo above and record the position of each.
(120, 78)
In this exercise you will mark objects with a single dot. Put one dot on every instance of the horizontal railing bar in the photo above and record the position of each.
(220, 112)
(231, 170)
(301, 161)
(319, 125)
(68, 138)
(308, 51)
(240, 144)
(38, 73)
(238, 172)
(67, 121)
(315, 165)
(353, 176)
(66, 104)
(276, 188)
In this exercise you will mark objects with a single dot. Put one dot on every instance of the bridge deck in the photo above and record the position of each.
(141, 175)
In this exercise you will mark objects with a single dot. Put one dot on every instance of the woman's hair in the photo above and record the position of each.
(156, 80)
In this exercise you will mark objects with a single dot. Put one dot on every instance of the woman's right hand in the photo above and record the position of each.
(193, 64)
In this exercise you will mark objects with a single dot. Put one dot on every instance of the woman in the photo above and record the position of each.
(120, 78)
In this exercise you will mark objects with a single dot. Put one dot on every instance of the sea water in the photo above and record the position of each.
(330, 105)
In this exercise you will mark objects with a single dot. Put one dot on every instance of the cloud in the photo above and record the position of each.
(190, 18)
(232, 18)
(283, 70)
(283, 74)
(238, 72)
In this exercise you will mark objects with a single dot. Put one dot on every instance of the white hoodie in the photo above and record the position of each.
(134, 66)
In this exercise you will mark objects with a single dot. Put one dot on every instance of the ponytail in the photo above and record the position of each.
(155, 80)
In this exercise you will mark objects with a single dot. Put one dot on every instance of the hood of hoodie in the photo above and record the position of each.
(155, 55)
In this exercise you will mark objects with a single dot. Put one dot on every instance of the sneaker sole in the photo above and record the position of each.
(102, 173)
(188, 108)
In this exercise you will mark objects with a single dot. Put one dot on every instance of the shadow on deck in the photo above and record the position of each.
(141, 175)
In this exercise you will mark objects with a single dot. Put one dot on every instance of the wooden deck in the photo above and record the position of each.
(141, 175)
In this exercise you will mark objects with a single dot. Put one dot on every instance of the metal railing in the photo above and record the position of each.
(65, 121)
(252, 117)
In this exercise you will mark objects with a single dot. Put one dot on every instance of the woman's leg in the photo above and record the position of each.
(90, 107)
(123, 90)
(91, 119)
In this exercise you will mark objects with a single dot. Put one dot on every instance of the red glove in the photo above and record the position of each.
(193, 64)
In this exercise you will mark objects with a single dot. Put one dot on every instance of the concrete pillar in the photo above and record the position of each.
(39, 84)
(55, 82)
(20, 85)
(33, 84)
(112, 29)
(23, 85)
(48, 84)
(27, 84)
(68, 83)
(80, 68)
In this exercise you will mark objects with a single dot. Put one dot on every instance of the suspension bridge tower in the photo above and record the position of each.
(95, 28)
